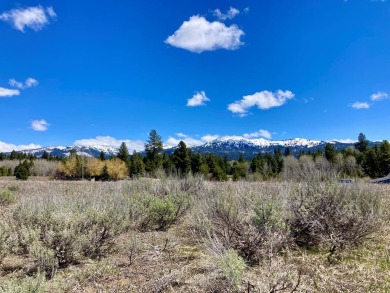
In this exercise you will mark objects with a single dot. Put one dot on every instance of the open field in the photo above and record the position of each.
(170, 235)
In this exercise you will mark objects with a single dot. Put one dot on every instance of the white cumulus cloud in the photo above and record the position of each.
(4, 92)
(30, 82)
(34, 18)
(199, 35)
(7, 147)
(263, 100)
(173, 141)
(209, 137)
(109, 141)
(230, 14)
(39, 125)
(360, 105)
(198, 99)
(378, 96)
(260, 133)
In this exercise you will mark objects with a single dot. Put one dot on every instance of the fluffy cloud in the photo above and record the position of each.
(109, 141)
(39, 125)
(379, 96)
(230, 14)
(7, 147)
(360, 105)
(189, 141)
(8, 92)
(209, 137)
(348, 140)
(199, 35)
(263, 100)
(198, 99)
(32, 17)
(30, 82)
(260, 133)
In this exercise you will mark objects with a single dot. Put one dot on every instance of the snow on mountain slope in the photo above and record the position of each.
(261, 142)
(63, 151)
(230, 146)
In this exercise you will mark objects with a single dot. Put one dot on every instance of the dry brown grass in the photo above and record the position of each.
(179, 259)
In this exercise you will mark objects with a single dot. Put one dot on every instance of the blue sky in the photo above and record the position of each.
(88, 72)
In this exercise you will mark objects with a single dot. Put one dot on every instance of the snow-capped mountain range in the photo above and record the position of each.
(64, 151)
(234, 146)
(231, 146)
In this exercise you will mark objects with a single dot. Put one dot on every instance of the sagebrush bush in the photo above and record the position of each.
(253, 225)
(25, 285)
(6, 197)
(232, 267)
(6, 241)
(160, 212)
(67, 228)
(333, 215)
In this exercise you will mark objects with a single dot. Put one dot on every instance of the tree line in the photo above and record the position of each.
(358, 161)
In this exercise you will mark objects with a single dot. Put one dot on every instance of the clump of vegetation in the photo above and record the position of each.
(6, 197)
(332, 215)
(25, 285)
(252, 226)
(160, 212)
(22, 171)
(61, 231)
(232, 267)
(78, 167)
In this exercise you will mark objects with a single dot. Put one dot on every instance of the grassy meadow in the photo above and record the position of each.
(191, 235)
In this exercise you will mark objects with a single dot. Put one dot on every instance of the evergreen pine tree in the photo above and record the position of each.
(384, 158)
(123, 154)
(22, 171)
(105, 176)
(102, 156)
(153, 148)
(330, 153)
(167, 164)
(137, 166)
(45, 155)
(13, 155)
(371, 162)
(362, 144)
(181, 159)
(196, 162)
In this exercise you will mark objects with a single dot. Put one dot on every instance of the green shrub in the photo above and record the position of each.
(161, 212)
(26, 285)
(6, 197)
(21, 172)
(232, 267)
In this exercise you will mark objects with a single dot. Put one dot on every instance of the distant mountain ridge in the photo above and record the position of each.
(64, 151)
(230, 146)
(234, 146)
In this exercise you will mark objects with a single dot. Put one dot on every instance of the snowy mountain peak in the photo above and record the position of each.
(261, 142)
